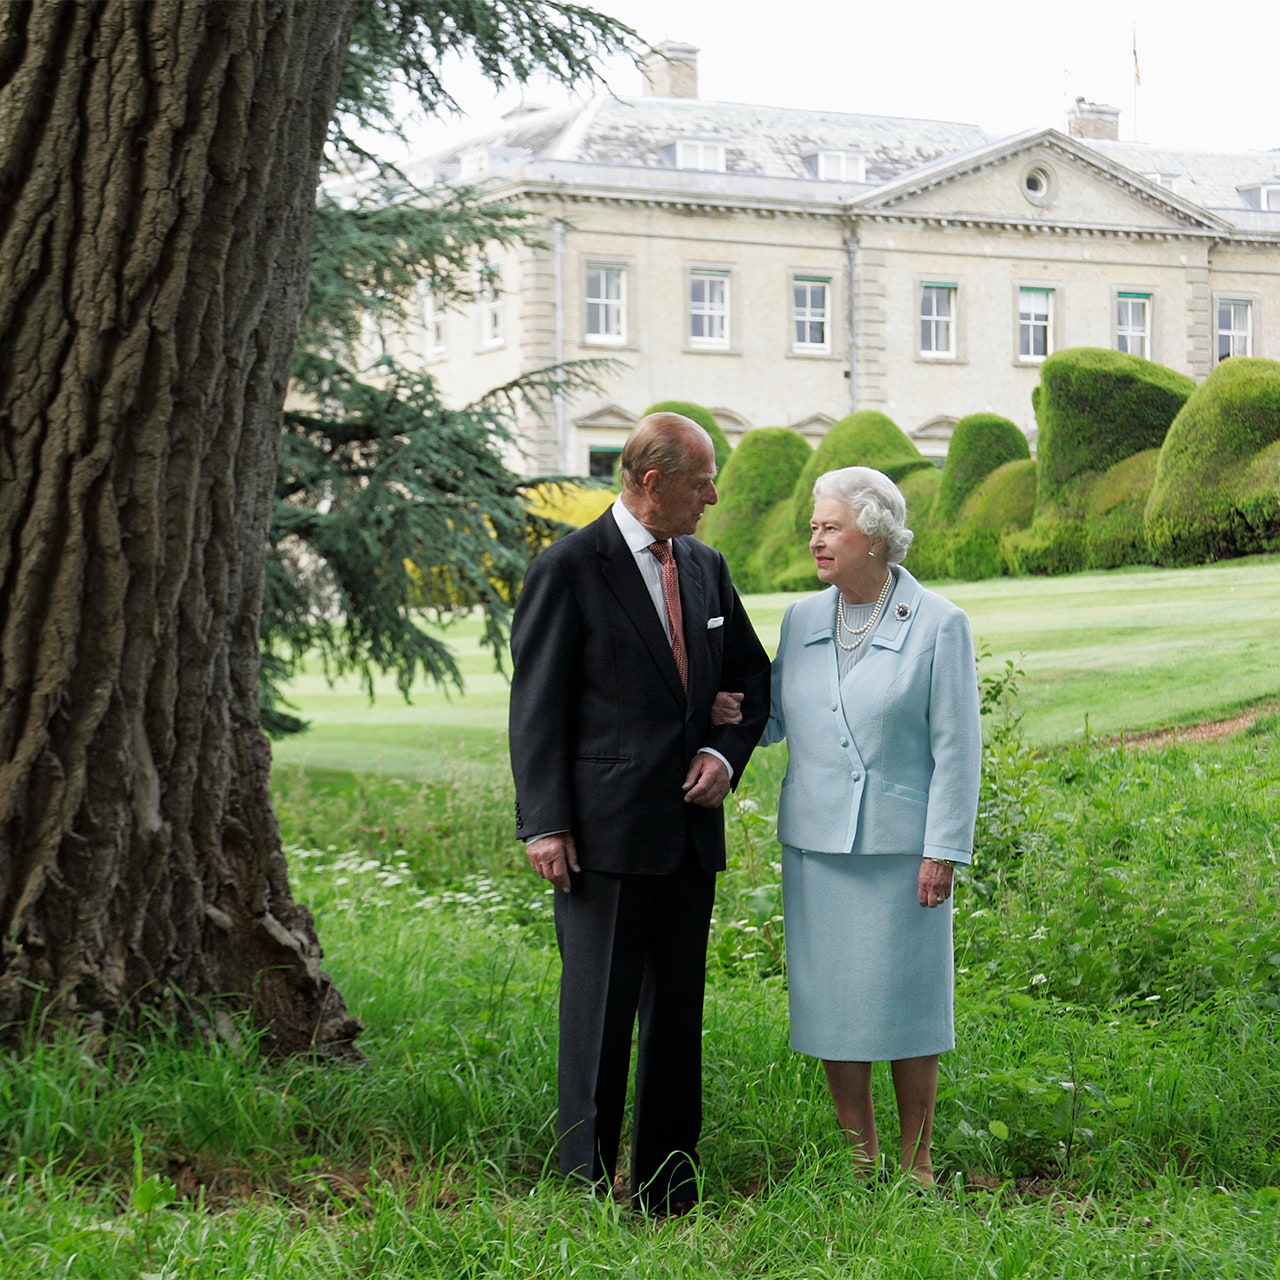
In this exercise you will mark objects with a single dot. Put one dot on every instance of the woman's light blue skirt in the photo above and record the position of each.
(870, 970)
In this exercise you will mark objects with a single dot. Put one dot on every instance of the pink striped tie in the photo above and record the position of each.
(671, 597)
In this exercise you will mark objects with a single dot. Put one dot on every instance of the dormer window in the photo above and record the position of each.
(695, 153)
(472, 164)
(836, 166)
(1262, 195)
(1165, 180)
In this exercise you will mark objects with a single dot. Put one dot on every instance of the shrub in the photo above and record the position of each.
(1215, 492)
(980, 443)
(760, 473)
(1006, 499)
(973, 554)
(1113, 513)
(1095, 408)
(864, 439)
(572, 504)
(704, 419)
(777, 564)
(926, 556)
(1048, 547)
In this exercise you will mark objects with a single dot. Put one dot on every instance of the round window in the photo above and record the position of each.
(1036, 184)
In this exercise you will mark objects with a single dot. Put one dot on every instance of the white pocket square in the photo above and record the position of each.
(712, 623)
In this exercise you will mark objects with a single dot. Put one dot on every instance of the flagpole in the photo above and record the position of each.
(1137, 82)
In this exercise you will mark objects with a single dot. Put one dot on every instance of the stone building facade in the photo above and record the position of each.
(785, 267)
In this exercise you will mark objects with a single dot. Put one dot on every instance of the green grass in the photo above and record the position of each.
(1112, 1108)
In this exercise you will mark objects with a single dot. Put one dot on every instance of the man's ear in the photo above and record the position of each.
(652, 481)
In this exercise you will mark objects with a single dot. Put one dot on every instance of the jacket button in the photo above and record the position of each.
(844, 742)
(857, 777)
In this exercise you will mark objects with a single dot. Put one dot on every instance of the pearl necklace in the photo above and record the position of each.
(862, 632)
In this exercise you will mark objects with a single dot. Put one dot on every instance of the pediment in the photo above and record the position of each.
(1041, 179)
(814, 427)
(608, 415)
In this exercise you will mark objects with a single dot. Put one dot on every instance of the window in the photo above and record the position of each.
(1035, 323)
(606, 303)
(432, 317)
(472, 164)
(489, 305)
(1037, 184)
(709, 309)
(1133, 323)
(836, 166)
(1235, 327)
(602, 461)
(1262, 195)
(692, 153)
(811, 313)
(938, 320)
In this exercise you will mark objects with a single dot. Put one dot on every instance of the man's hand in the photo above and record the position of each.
(553, 857)
(707, 782)
(727, 708)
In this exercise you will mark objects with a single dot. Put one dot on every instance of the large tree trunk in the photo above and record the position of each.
(158, 164)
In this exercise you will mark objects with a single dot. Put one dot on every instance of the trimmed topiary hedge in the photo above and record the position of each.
(1095, 408)
(761, 472)
(1047, 547)
(704, 419)
(1216, 488)
(1006, 499)
(980, 443)
(1113, 513)
(926, 556)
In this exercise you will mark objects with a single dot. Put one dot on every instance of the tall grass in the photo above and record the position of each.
(1112, 1107)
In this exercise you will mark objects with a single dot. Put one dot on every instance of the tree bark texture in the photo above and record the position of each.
(158, 165)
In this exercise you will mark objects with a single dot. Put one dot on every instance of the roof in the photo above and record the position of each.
(759, 141)
(1211, 179)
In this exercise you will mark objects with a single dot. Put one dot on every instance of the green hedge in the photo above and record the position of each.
(704, 419)
(1006, 499)
(761, 472)
(926, 557)
(1215, 493)
(1095, 408)
(980, 443)
(1114, 534)
(1047, 548)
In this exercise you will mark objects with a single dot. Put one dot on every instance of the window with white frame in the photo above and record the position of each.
(709, 310)
(1035, 323)
(937, 321)
(836, 166)
(1133, 324)
(606, 303)
(489, 305)
(432, 317)
(1235, 327)
(811, 313)
(696, 153)
(1262, 195)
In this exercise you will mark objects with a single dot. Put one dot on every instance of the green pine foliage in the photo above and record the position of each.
(390, 508)
(1096, 407)
(980, 443)
(761, 473)
(1217, 487)
(704, 419)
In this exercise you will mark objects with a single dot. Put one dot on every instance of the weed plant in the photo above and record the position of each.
(1112, 1108)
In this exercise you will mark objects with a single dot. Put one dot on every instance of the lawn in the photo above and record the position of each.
(1112, 1108)
(1105, 653)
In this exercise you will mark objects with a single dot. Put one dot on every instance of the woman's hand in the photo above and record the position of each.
(933, 887)
(727, 708)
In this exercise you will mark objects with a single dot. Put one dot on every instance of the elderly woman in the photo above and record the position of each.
(875, 690)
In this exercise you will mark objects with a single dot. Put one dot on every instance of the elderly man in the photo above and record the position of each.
(622, 636)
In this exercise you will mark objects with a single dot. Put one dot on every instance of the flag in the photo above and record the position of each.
(1137, 75)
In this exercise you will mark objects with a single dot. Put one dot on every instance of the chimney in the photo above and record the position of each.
(671, 71)
(1093, 120)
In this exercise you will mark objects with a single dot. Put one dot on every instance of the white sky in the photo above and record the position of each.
(1208, 74)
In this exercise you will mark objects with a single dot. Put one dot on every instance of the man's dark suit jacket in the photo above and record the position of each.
(602, 734)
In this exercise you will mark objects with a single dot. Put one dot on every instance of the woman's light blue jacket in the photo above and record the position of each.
(890, 763)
